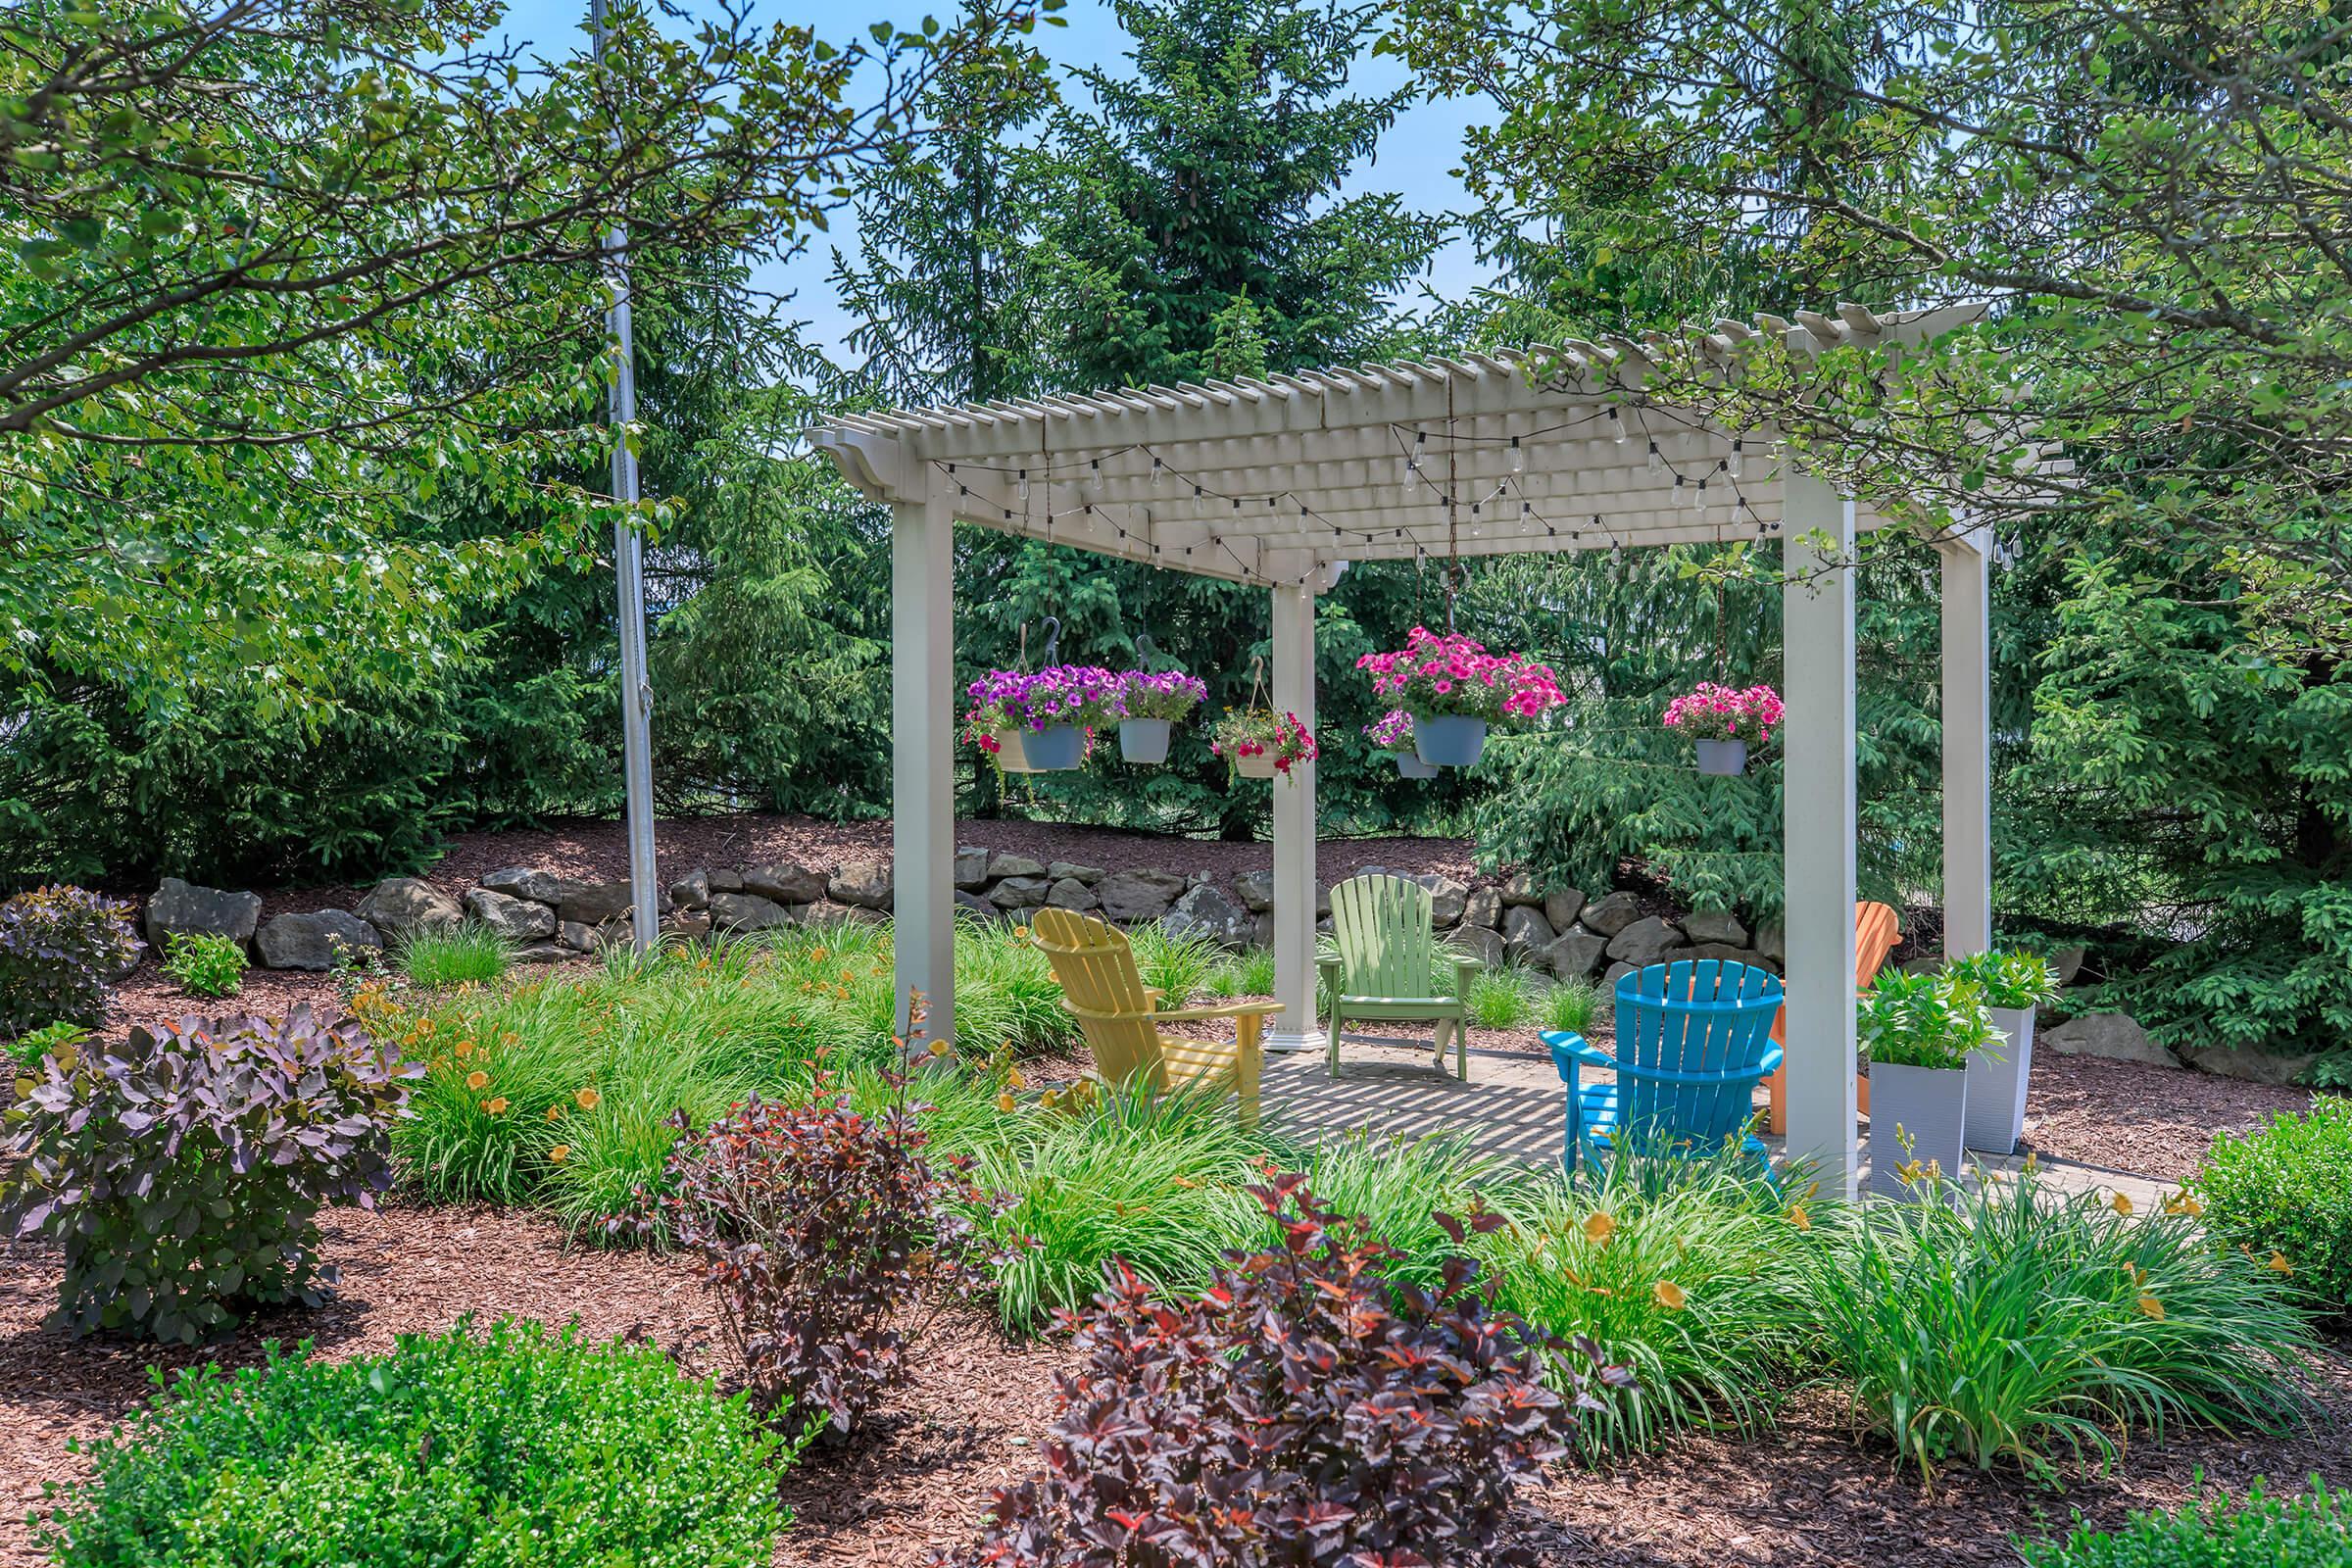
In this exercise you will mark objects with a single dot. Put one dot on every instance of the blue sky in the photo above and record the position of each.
(1417, 158)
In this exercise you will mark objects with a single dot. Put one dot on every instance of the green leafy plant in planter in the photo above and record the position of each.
(1917, 1032)
(2013, 985)
(182, 1171)
(519, 1445)
(2263, 1531)
(2282, 1193)
(205, 964)
(61, 949)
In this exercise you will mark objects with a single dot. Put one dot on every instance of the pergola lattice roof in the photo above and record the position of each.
(1272, 481)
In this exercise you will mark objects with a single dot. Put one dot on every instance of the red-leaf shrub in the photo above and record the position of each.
(60, 951)
(1306, 1411)
(182, 1171)
(830, 1238)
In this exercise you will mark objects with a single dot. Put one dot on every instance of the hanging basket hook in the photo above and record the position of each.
(1053, 641)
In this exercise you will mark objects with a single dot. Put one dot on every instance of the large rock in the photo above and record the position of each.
(866, 884)
(1645, 942)
(2067, 962)
(308, 940)
(971, 868)
(1072, 870)
(1574, 956)
(976, 904)
(595, 903)
(1477, 942)
(1520, 888)
(1072, 893)
(2116, 1035)
(1256, 889)
(1561, 907)
(517, 919)
(1206, 912)
(521, 882)
(406, 905)
(1019, 892)
(1526, 933)
(1728, 954)
(1261, 930)
(725, 879)
(1002, 866)
(785, 883)
(1615, 972)
(693, 924)
(575, 936)
(824, 912)
(1772, 944)
(1608, 916)
(1447, 897)
(2249, 1066)
(1482, 908)
(542, 952)
(182, 909)
(692, 891)
(742, 911)
(1715, 925)
(1129, 897)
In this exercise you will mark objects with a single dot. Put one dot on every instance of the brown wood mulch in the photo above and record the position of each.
(920, 1477)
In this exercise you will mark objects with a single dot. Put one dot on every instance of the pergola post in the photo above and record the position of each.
(922, 763)
(1818, 789)
(1967, 748)
(1294, 828)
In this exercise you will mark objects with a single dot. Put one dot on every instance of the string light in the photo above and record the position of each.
(1657, 459)
(1616, 427)
(1734, 464)
(1024, 485)
(1518, 457)
(1160, 474)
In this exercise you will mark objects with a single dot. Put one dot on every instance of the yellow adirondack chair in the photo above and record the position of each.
(1120, 1017)
(1385, 967)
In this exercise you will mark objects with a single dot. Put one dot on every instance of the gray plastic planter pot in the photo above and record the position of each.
(1930, 1105)
(1723, 759)
(1449, 739)
(1012, 754)
(1144, 740)
(1055, 750)
(1996, 1084)
(1409, 766)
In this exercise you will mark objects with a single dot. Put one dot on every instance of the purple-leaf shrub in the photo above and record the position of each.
(182, 1170)
(1308, 1409)
(831, 1240)
(60, 951)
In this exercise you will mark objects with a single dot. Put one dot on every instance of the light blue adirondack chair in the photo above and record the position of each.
(1693, 1040)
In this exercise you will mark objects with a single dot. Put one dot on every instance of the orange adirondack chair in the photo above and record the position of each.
(1120, 1015)
(1877, 929)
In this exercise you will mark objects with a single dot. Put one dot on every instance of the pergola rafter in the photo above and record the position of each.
(1281, 481)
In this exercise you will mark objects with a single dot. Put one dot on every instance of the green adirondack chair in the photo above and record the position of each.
(1385, 964)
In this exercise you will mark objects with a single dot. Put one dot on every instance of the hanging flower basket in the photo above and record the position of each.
(1725, 723)
(1261, 743)
(1053, 712)
(1152, 704)
(1453, 690)
(1394, 736)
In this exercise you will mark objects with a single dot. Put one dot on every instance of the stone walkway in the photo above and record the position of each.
(1511, 1109)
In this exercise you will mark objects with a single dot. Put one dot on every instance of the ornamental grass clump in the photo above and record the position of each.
(1712, 713)
(61, 950)
(182, 1171)
(520, 1445)
(1450, 675)
(2037, 1328)
(1307, 1408)
(1166, 695)
(830, 1239)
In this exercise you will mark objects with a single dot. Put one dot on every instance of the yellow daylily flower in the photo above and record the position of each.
(1005, 1102)
(2280, 1265)
(1599, 1227)
(560, 1153)
(476, 1078)
(2120, 1203)
(1799, 1218)
(587, 1098)
(2149, 1306)
(496, 1106)
(1669, 1296)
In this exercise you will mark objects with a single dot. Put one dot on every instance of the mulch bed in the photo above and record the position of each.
(920, 1477)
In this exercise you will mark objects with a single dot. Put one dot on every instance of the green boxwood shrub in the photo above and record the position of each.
(2263, 1532)
(520, 1446)
(2282, 1190)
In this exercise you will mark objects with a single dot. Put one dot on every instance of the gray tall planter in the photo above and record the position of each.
(1996, 1084)
(1144, 740)
(1931, 1105)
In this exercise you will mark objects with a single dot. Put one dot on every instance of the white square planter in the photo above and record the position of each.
(1929, 1106)
(1996, 1084)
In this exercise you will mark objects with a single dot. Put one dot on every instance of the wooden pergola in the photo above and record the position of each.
(1282, 483)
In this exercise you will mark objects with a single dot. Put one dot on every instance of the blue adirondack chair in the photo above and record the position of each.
(1693, 1040)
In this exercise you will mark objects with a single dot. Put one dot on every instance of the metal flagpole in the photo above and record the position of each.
(628, 557)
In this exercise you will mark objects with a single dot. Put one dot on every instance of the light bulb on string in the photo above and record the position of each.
(1616, 427)
(1734, 465)
(1698, 496)
(1198, 507)
(1657, 459)
(1159, 475)
(1022, 489)
(1518, 457)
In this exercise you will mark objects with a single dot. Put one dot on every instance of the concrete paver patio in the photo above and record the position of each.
(1511, 1109)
